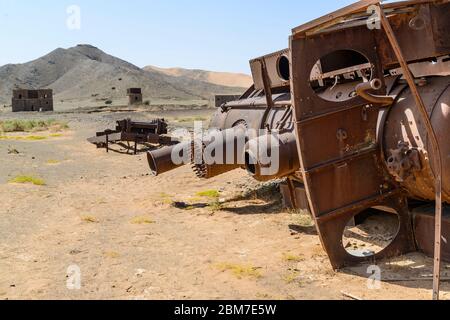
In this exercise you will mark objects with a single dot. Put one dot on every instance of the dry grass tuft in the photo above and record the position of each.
(215, 206)
(111, 254)
(32, 125)
(53, 162)
(89, 219)
(213, 194)
(28, 179)
(303, 218)
(165, 198)
(290, 277)
(288, 257)
(23, 138)
(240, 271)
(142, 220)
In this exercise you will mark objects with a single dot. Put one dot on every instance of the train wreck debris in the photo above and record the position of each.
(147, 133)
(360, 116)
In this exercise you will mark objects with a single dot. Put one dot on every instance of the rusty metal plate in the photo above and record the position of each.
(276, 76)
(343, 184)
(332, 229)
(338, 135)
(422, 33)
(339, 152)
(305, 52)
(424, 230)
(301, 199)
(330, 133)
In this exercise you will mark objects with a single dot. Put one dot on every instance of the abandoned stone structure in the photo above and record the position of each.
(134, 96)
(32, 100)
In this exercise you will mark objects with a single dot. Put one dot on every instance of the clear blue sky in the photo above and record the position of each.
(206, 34)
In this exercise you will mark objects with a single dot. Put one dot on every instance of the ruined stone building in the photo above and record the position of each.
(134, 96)
(32, 100)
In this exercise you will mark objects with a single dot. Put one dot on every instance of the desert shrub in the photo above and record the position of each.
(28, 179)
(142, 220)
(240, 271)
(89, 219)
(209, 194)
(32, 125)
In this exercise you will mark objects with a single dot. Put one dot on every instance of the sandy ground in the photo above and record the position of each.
(106, 215)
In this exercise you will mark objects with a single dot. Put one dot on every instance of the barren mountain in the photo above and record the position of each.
(85, 71)
(218, 78)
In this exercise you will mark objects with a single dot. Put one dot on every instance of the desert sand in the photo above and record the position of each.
(106, 214)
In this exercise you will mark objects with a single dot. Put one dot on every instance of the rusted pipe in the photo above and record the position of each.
(376, 84)
(256, 103)
(219, 152)
(272, 156)
(267, 92)
(215, 154)
(161, 160)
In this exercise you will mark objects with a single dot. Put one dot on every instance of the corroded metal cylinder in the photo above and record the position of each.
(219, 152)
(262, 153)
(407, 148)
(161, 160)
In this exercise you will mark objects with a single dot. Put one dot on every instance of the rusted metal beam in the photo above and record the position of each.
(351, 9)
(411, 3)
(437, 170)
(355, 8)
(253, 103)
(267, 92)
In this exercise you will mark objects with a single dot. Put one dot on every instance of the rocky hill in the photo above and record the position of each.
(84, 71)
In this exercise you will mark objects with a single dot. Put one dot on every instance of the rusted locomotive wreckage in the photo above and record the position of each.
(360, 103)
(147, 133)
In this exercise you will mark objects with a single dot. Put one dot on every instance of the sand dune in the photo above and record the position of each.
(219, 78)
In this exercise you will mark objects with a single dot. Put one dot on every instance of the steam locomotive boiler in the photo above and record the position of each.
(360, 104)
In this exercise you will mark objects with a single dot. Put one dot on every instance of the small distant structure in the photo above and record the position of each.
(134, 96)
(25, 100)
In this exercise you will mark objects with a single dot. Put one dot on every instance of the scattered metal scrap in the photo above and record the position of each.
(146, 133)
